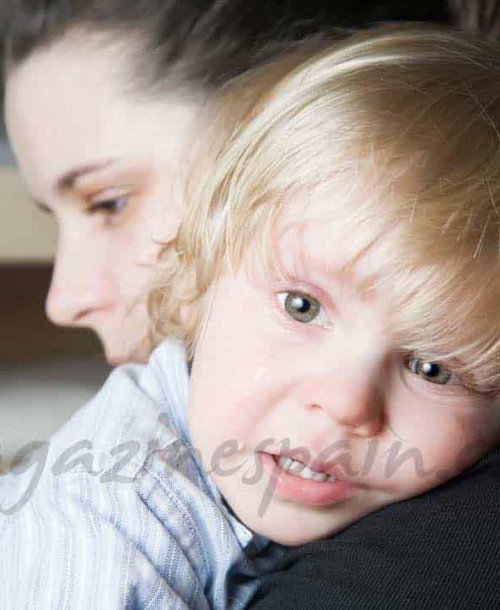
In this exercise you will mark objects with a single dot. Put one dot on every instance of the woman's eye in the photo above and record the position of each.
(109, 207)
(303, 308)
(434, 372)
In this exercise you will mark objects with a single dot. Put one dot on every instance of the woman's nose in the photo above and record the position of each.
(80, 285)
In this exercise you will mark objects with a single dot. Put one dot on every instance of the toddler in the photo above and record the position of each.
(334, 288)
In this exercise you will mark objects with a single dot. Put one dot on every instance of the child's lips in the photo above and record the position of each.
(305, 490)
(318, 465)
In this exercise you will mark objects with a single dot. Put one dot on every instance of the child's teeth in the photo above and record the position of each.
(302, 471)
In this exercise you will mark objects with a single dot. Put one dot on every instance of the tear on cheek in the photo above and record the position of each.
(259, 374)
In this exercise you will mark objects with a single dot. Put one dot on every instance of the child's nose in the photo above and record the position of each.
(354, 402)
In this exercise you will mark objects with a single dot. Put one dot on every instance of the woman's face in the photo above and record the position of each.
(104, 162)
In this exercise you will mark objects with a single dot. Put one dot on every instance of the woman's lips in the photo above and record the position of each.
(305, 491)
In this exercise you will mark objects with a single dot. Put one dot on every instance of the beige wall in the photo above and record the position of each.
(26, 234)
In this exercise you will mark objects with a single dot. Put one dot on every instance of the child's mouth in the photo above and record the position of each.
(292, 480)
(301, 470)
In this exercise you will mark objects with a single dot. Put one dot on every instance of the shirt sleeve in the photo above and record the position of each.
(99, 530)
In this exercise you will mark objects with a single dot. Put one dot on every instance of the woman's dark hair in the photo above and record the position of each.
(205, 42)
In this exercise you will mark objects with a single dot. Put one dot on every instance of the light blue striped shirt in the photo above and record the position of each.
(121, 514)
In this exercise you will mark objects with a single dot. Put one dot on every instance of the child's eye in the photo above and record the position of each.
(434, 372)
(303, 308)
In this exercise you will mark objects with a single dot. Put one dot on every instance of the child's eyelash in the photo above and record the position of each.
(302, 308)
(433, 371)
(466, 382)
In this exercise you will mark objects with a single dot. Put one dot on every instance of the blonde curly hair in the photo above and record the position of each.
(413, 114)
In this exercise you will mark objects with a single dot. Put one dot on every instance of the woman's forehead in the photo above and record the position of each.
(81, 121)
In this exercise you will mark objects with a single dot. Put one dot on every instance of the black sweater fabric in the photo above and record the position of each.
(438, 550)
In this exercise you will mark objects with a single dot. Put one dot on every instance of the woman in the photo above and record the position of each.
(100, 99)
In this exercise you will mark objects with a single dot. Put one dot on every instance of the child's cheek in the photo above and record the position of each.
(432, 439)
(467, 437)
(480, 431)
(225, 406)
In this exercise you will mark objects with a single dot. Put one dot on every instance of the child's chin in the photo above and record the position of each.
(295, 532)
(296, 538)
(291, 540)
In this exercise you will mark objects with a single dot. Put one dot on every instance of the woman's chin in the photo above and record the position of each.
(117, 356)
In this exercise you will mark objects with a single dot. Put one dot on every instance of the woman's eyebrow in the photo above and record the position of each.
(68, 179)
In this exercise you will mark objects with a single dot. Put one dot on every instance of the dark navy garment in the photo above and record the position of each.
(439, 550)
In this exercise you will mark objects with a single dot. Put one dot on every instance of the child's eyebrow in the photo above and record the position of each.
(338, 274)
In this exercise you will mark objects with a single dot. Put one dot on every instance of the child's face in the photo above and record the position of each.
(308, 364)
